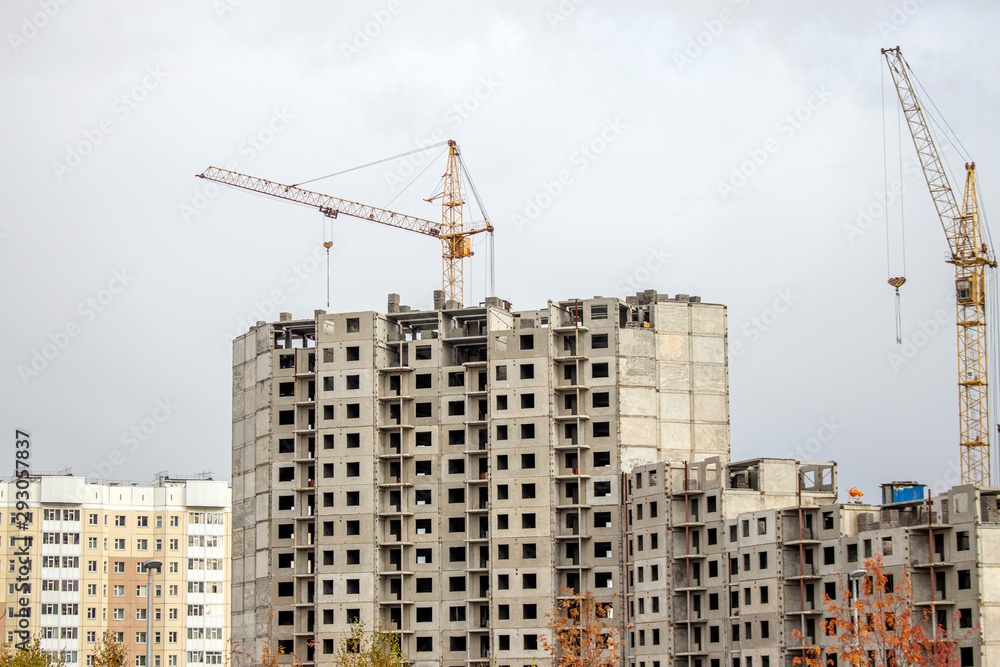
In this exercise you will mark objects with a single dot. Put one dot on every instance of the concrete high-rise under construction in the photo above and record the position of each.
(444, 473)
(449, 474)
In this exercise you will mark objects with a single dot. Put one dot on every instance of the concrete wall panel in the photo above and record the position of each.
(672, 347)
(637, 401)
(637, 371)
(671, 317)
(675, 407)
(709, 378)
(708, 320)
(710, 407)
(676, 377)
(636, 342)
(708, 350)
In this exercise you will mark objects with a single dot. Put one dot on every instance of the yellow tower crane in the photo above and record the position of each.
(970, 255)
(455, 238)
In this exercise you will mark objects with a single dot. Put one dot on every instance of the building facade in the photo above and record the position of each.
(747, 554)
(86, 543)
(446, 473)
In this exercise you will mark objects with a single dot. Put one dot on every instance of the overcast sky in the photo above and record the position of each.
(721, 149)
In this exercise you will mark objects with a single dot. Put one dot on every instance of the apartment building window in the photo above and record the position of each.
(762, 558)
(456, 554)
(527, 431)
(501, 372)
(602, 519)
(527, 461)
(852, 553)
(456, 524)
(527, 342)
(602, 489)
(962, 540)
(142, 545)
(599, 341)
(501, 402)
(600, 370)
(604, 579)
(353, 440)
(503, 581)
(528, 520)
(456, 408)
(602, 429)
(528, 551)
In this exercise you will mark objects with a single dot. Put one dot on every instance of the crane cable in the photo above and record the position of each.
(894, 281)
(490, 264)
(371, 164)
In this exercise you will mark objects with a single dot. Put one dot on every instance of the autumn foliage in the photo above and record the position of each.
(379, 648)
(888, 633)
(582, 633)
(32, 656)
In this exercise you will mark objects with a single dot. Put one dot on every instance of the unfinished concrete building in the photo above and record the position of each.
(725, 562)
(444, 472)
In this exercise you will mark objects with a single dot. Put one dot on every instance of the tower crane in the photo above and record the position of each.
(455, 237)
(971, 256)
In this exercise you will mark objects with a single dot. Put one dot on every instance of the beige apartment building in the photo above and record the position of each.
(87, 543)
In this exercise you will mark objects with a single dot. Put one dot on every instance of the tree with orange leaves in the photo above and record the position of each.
(582, 633)
(886, 633)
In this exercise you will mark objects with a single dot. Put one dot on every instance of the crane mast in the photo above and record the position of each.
(454, 236)
(970, 257)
